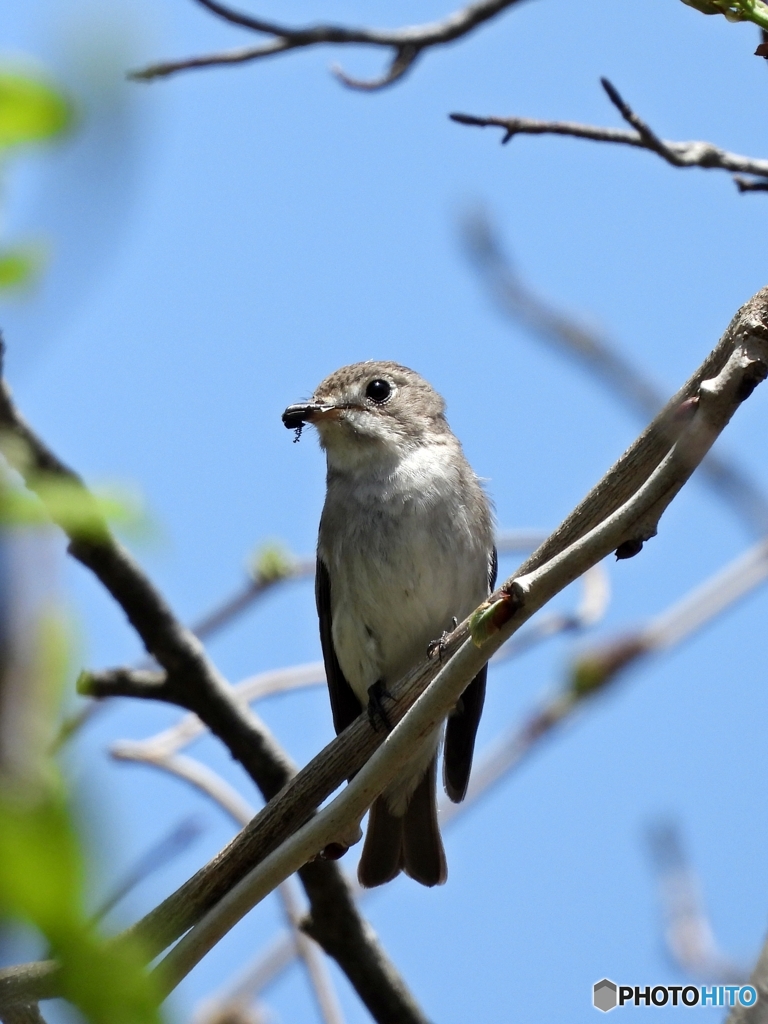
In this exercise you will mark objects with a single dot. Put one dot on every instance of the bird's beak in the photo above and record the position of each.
(297, 415)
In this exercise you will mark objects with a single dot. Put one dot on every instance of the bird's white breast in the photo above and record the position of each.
(403, 560)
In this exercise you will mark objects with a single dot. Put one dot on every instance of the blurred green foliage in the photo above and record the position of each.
(42, 865)
(32, 497)
(32, 111)
(42, 868)
(271, 562)
(79, 512)
(19, 265)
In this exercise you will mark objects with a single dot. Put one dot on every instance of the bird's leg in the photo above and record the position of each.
(376, 711)
(437, 647)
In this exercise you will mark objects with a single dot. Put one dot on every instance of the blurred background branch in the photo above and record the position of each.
(688, 933)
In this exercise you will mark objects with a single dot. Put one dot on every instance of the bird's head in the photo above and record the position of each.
(372, 411)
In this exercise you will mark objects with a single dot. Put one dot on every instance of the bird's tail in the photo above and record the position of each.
(409, 843)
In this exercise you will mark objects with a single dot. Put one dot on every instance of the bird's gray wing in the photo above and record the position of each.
(344, 704)
(461, 730)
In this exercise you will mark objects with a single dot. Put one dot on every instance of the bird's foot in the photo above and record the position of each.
(377, 714)
(437, 647)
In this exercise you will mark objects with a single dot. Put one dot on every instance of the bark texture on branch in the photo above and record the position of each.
(689, 434)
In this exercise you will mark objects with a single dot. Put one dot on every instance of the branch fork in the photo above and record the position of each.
(678, 154)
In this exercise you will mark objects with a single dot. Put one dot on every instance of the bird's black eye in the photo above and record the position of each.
(378, 390)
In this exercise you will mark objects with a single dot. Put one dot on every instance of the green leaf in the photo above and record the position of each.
(31, 110)
(20, 266)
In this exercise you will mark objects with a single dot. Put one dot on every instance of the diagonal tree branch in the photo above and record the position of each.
(472, 644)
(256, 587)
(593, 672)
(597, 354)
(192, 681)
(349, 751)
(678, 154)
(599, 667)
(162, 750)
(405, 44)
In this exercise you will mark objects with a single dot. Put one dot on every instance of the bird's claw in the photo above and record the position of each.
(437, 647)
(376, 712)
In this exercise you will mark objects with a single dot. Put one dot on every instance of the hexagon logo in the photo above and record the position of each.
(604, 995)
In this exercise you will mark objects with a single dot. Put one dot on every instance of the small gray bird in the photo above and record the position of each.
(405, 549)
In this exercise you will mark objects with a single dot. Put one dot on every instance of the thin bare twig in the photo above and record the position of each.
(678, 154)
(304, 568)
(204, 628)
(242, 996)
(405, 44)
(232, 607)
(750, 184)
(597, 354)
(600, 667)
(596, 667)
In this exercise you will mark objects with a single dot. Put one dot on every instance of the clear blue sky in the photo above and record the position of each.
(223, 240)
